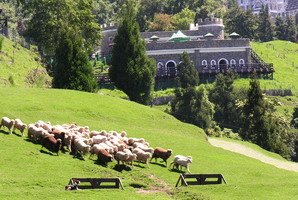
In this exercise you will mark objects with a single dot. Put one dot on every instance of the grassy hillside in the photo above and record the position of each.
(26, 172)
(19, 67)
(283, 55)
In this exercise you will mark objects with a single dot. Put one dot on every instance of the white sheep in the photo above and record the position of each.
(81, 147)
(18, 124)
(132, 157)
(8, 123)
(182, 161)
(121, 156)
(36, 133)
(142, 156)
(99, 139)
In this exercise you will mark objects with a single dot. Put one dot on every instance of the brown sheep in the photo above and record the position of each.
(162, 153)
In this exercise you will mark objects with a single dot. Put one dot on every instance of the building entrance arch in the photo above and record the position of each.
(223, 65)
(171, 68)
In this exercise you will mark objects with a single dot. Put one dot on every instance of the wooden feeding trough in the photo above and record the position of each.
(97, 183)
(200, 179)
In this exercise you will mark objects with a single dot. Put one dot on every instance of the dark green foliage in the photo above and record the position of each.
(294, 121)
(260, 126)
(1, 42)
(132, 70)
(72, 69)
(280, 28)
(224, 98)
(50, 17)
(265, 28)
(290, 29)
(187, 73)
(242, 22)
(193, 107)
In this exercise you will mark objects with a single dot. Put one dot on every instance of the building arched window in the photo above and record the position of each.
(241, 62)
(213, 63)
(161, 70)
(204, 63)
(233, 63)
(171, 68)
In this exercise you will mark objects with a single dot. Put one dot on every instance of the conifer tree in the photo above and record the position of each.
(72, 69)
(265, 29)
(132, 70)
(280, 28)
(187, 73)
(290, 29)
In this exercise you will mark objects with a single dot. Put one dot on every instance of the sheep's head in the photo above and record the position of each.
(170, 151)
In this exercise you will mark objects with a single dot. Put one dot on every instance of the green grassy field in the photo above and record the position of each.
(283, 55)
(17, 65)
(27, 172)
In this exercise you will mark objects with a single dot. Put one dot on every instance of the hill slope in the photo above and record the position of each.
(27, 172)
(19, 67)
(283, 55)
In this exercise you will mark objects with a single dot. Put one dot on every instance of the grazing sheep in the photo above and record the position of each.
(162, 153)
(52, 144)
(182, 161)
(20, 126)
(131, 141)
(121, 156)
(142, 156)
(81, 147)
(8, 123)
(132, 157)
(98, 139)
(36, 133)
(104, 157)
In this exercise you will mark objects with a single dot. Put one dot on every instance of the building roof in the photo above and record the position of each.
(292, 5)
(179, 37)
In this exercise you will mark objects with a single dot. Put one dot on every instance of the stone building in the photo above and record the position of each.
(206, 45)
(276, 7)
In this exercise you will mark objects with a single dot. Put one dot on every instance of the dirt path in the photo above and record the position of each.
(238, 148)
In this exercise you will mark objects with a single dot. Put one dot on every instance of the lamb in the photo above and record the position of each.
(8, 123)
(20, 126)
(131, 141)
(182, 161)
(162, 153)
(142, 156)
(121, 156)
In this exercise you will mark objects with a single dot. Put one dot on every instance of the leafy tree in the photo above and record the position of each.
(131, 69)
(50, 17)
(104, 11)
(265, 28)
(161, 22)
(72, 69)
(211, 7)
(187, 73)
(224, 98)
(203, 110)
(240, 21)
(182, 19)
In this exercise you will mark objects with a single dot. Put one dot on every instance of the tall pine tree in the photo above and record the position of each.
(290, 29)
(280, 28)
(265, 29)
(187, 73)
(132, 70)
(72, 69)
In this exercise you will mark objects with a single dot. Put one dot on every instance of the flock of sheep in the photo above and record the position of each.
(108, 146)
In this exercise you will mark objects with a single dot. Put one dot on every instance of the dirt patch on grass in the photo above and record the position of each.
(160, 186)
(238, 148)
